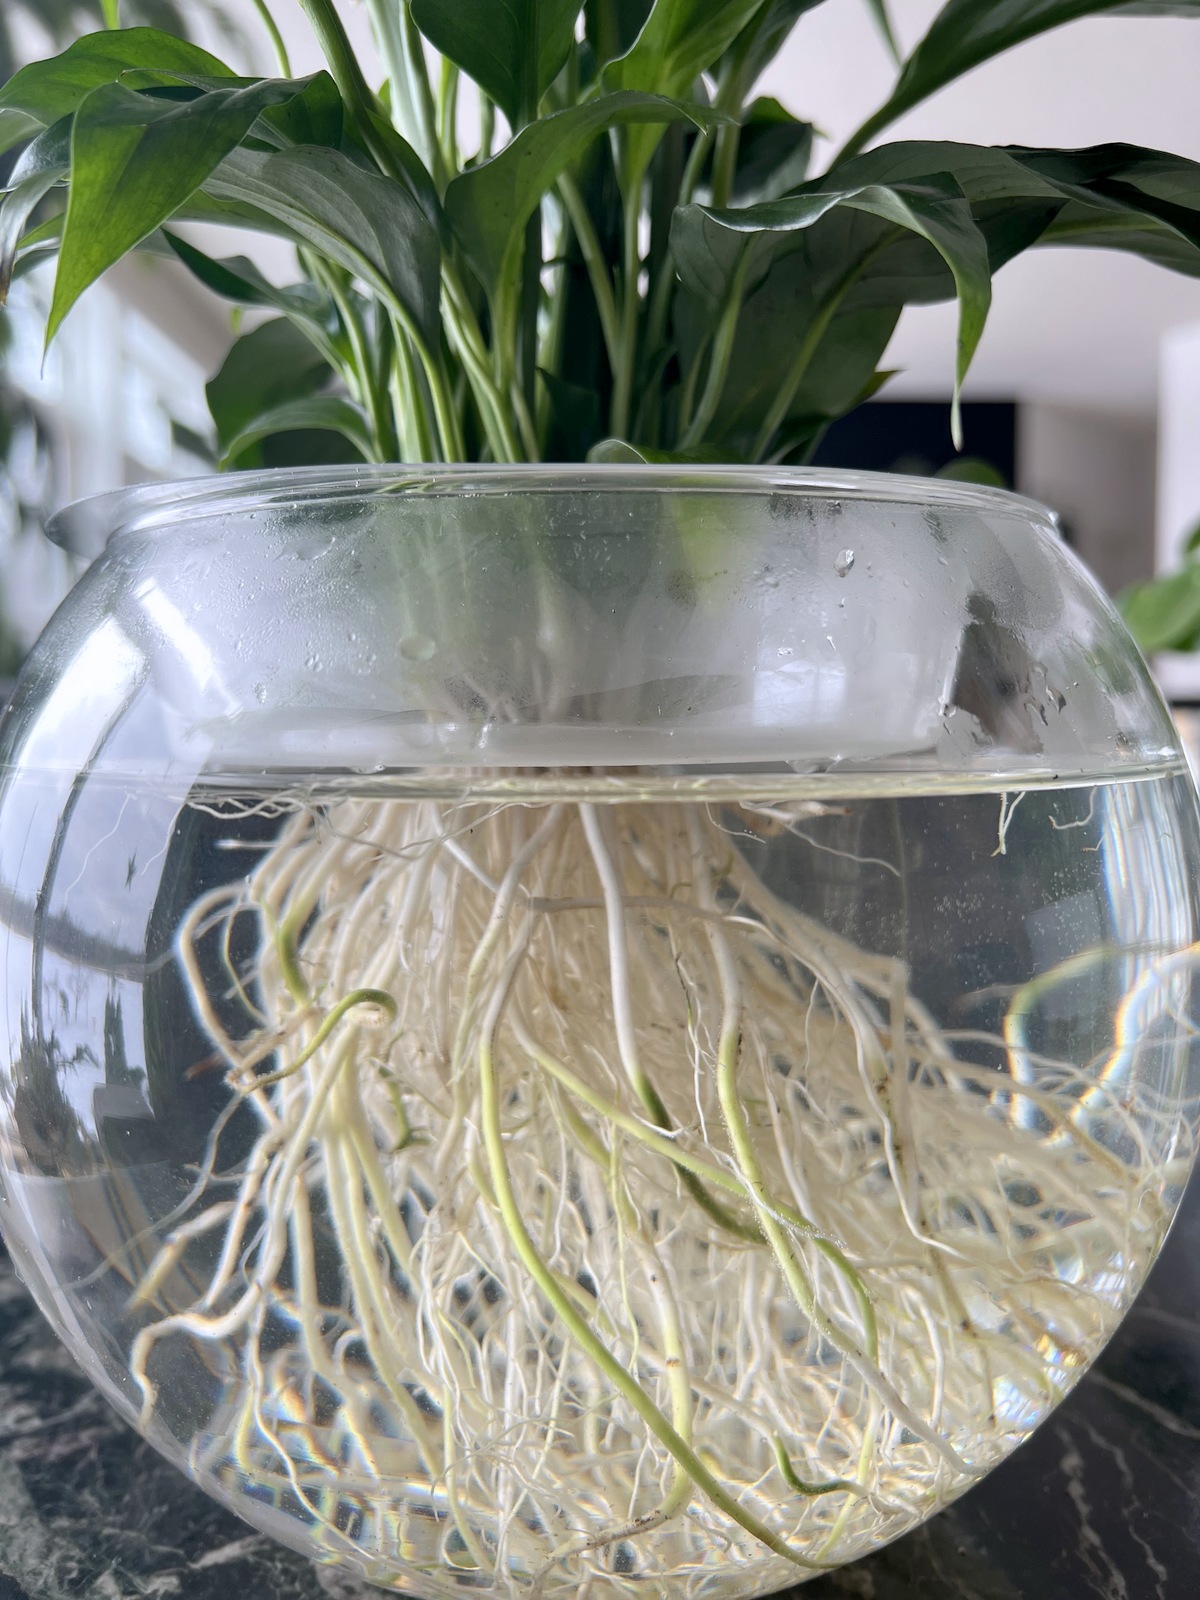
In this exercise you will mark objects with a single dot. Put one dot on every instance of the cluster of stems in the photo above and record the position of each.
(477, 393)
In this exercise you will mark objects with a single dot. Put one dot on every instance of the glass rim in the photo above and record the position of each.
(85, 526)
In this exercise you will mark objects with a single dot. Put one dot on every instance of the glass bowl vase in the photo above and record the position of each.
(621, 1026)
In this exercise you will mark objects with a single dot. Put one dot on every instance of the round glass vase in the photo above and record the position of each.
(619, 1026)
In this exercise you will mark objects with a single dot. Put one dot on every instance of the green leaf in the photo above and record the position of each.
(883, 21)
(619, 453)
(680, 40)
(1114, 196)
(316, 115)
(44, 164)
(488, 205)
(774, 151)
(1165, 614)
(613, 25)
(936, 210)
(575, 417)
(764, 37)
(514, 49)
(367, 223)
(266, 368)
(320, 413)
(45, 91)
(135, 159)
(972, 469)
(813, 328)
(966, 33)
(239, 280)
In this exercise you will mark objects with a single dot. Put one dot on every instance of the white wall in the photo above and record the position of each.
(1097, 469)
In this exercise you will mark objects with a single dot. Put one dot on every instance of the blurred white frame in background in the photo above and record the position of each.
(120, 397)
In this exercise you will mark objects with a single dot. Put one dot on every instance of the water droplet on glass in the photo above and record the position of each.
(843, 561)
(417, 647)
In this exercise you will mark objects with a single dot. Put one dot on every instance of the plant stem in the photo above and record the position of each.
(276, 38)
(371, 393)
(630, 306)
(361, 103)
(531, 296)
(817, 330)
(722, 352)
(463, 327)
(682, 1453)
(447, 116)
(725, 163)
(597, 267)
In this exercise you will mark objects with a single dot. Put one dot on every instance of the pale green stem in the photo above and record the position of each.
(725, 163)
(374, 401)
(722, 352)
(512, 1216)
(463, 326)
(447, 116)
(276, 38)
(630, 306)
(408, 403)
(597, 267)
(361, 103)
(808, 348)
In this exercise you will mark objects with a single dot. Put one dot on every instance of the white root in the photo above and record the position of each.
(606, 1219)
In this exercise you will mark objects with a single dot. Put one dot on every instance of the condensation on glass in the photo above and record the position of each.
(627, 1026)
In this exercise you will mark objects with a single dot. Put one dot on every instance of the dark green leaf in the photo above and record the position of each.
(239, 280)
(788, 313)
(314, 116)
(575, 417)
(764, 36)
(365, 222)
(321, 413)
(1165, 614)
(966, 33)
(680, 40)
(135, 159)
(883, 21)
(708, 242)
(489, 205)
(1109, 196)
(773, 153)
(512, 48)
(420, 184)
(613, 25)
(46, 91)
(269, 367)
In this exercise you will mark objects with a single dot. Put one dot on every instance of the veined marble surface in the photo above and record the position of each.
(1104, 1501)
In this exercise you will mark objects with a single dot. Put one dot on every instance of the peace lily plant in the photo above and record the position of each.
(625, 256)
(474, 1038)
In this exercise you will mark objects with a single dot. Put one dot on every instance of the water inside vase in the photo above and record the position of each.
(644, 1181)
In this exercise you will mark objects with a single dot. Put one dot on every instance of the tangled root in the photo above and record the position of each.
(607, 1218)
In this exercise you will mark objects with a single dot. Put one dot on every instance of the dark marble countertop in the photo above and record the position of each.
(1103, 1501)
